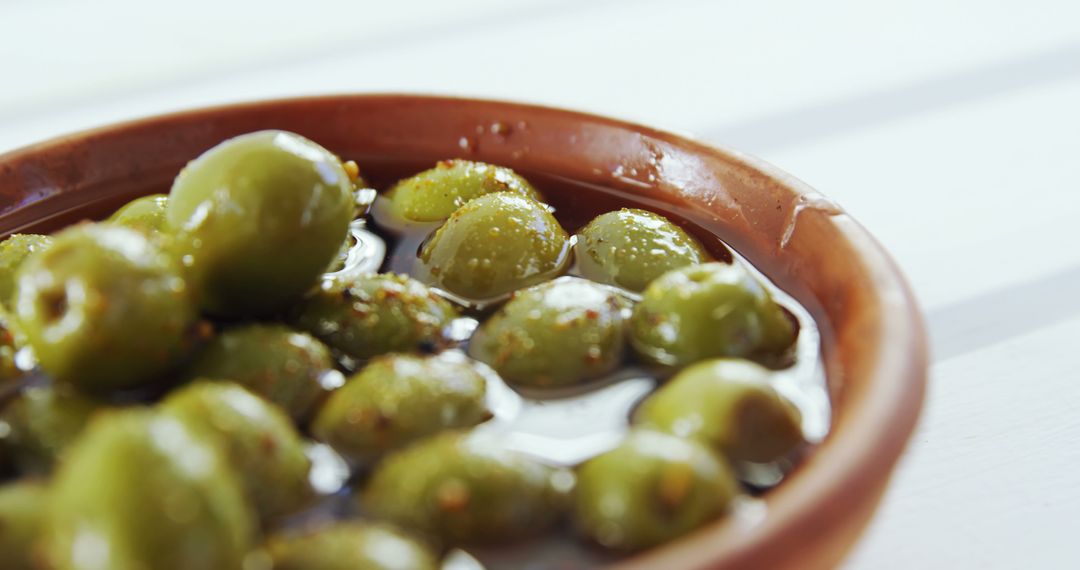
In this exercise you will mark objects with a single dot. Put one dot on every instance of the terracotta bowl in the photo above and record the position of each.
(873, 339)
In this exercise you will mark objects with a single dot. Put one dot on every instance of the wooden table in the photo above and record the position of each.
(951, 129)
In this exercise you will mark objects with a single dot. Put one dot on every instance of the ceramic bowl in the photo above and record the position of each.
(873, 341)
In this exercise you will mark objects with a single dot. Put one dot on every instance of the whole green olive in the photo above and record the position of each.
(141, 490)
(464, 488)
(434, 194)
(13, 252)
(398, 399)
(257, 438)
(145, 214)
(257, 219)
(288, 368)
(351, 545)
(705, 311)
(559, 333)
(631, 247)
(495, 244)
(42, 423)
(363, 316)
(104, 309)
(22, 508)
(728, 404)
(652, 488)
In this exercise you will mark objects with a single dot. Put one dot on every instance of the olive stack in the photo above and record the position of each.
(170, 369)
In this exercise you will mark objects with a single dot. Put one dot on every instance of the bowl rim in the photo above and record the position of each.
(842, 475)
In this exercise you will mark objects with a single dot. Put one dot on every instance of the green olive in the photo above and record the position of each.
(652, 488)
(145, 214)
(558, 333)
(363, 316)
(104, 309)
(258, 439)
(13, 252)
(728, 404)
(495, 244)
(42, 423)
(464, 488)
(631, 247)
(434, 194)
(257, 219)
(22, 508)
(705, 311)
(140, 490)
(9, 346)
(398, 399)
(351, 546)
(288, 368)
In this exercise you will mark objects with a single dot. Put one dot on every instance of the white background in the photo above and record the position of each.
(951, 129)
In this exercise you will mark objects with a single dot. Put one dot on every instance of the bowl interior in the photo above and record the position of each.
(872, 335)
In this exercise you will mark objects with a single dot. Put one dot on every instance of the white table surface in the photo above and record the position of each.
(951, 129)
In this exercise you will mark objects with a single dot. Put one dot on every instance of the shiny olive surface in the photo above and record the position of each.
(257, 219)
(145, 214)
(104, 309)
(286, 367)
(631, 247)
(42, 423)
(495, 244)
(22, 509)
(367, 315)
(13, 252)
(256, 437)
(728, 404)
(464, 488)
(555, 334)
(141, 490)
(652, 488)
(434, 194)
(705, 311)
(351, 546)
(398, 399)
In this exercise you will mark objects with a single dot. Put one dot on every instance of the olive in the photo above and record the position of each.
(288, 368)
(705, 311)
(145, 214)
(631, 247)
(9, 346)
(104, 308)
(558, 333)
(351, 545)
(22, 508)
(257, 219)
(495, 244)
(728, 404)
(257, 437)
(42, 423)
(398, 399)
(363, 316)
(434, 194)
(141, 490)
(650, 489)
(13, 252)
(465, 488)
